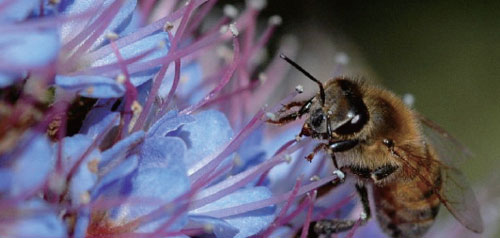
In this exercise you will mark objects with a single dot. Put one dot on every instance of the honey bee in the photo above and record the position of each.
(371, 134)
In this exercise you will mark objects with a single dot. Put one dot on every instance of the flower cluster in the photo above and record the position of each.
(126, 118)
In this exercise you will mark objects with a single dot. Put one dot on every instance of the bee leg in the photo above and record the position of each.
(293, 104)
(327, 227)
(319, 147)
(284, 119)
(304, 108)
(383, 171)
(341, 146)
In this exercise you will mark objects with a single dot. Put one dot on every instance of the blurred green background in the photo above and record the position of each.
(445, 53)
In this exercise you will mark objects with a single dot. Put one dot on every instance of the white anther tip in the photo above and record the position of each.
(339, 174)
(234, 30)
(299, 89)
(275, 20)
(230, 11)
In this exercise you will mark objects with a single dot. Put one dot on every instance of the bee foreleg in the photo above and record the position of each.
(327, 227)
(293, 104)
(343, 145)
(318, 148)
(284, 119)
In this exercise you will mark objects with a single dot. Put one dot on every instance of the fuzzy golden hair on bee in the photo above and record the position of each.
(370, 133)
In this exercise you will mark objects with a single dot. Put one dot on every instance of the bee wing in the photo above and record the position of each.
(458, 197)
(449, 149)
(456, 193)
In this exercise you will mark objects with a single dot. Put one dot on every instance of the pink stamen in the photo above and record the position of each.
(225, 79)
(131, 92)
(277, 222)
(181, 203)
(80, 37)
(307, 222)
(103, 22)
(232, 211)
(146, 7)
(204, 166)
(199, 16)
(280, 150)
(175, 83)
(159, 77)
(275, 72)
(333, 208)
(227, 96)
(353, 229)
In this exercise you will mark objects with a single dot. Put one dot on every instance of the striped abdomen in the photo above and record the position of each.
(407, 208)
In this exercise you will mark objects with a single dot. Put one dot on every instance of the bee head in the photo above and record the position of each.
(338, 109)
(343, 111)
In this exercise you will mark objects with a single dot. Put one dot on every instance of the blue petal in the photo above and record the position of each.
(82, 223)
(120, 149)
(250, 152)
(32, 167)
(251, 222)
(84, 179)
(159, 152)
(206, 135)
(282, 231)
(119, 22)
(116, 175)
(98, 120)
(17, 10)
(161, 175)
(137, 48)
(23, 48)
(6, 79)
(92, 86)
(35, 223)
(220, 227)
(169, 122)
(5, 180)
(133, 25)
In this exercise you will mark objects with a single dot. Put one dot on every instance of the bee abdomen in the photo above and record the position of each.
(405, 210)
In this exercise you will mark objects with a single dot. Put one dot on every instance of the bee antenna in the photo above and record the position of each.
(321, 89)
